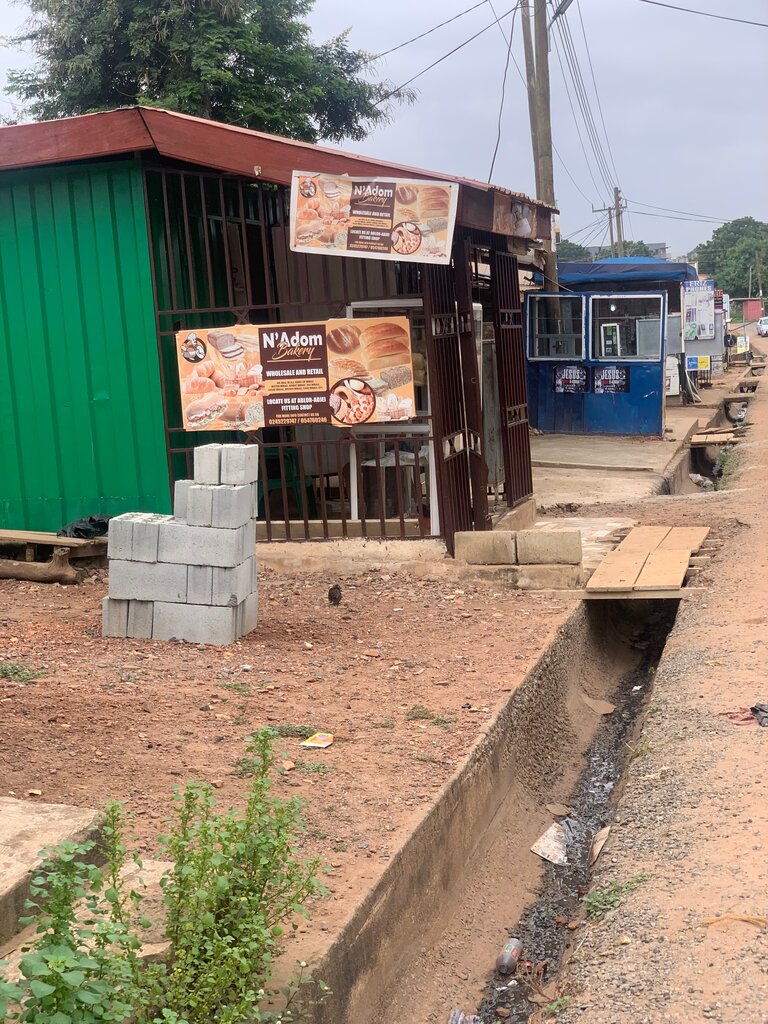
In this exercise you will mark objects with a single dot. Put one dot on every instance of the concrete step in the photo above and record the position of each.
(25, 829)
(145, 880)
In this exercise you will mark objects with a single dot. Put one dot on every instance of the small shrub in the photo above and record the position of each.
(16, 672)
(599, 901)
(558, 1005)
(80, 968)
(418, 713)
(299, 732)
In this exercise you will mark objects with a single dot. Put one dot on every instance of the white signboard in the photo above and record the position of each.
(699, 310)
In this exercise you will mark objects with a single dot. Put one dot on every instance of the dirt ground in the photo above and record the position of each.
(405, 673)
(691, 828)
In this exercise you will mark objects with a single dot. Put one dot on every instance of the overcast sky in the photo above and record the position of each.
(683, 98)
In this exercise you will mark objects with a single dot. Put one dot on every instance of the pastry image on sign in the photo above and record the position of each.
(406, 238)
(337, 372)
(373, 217)
(352, 401)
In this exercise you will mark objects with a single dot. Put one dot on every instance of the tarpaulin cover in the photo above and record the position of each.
(626, 268)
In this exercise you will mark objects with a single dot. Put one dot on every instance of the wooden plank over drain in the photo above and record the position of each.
(684, 538)
(664, 570)
(618, 570)
(644, 538)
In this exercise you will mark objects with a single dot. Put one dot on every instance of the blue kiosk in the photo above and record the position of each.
(596, 349)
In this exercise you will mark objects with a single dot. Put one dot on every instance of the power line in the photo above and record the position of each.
(597, 91)
(706, 14)
(522, 78)
(446, 56)
(565, 29)
(421, 35)
(575, 121)
(583, 102)
(668, 209)
(570, 235)
(503, 85)
(689, 220)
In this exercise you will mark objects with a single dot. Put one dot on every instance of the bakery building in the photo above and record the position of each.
(167, 281)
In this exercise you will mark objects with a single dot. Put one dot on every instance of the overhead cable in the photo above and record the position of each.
(706, 14)
(421, 35)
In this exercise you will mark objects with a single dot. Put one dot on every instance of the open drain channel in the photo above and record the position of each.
(542, 929)
(472, 880)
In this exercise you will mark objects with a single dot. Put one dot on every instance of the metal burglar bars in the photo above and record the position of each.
(510, 358)
(220, 255)
(449, 424)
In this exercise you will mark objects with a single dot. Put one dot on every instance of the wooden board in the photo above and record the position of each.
(79, 546)
(644, 538)
(684, 538)
(699, 440)
(618, 570)
(634, 595)
(664, 570)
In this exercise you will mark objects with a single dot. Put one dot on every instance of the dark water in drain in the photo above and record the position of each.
(592, 807)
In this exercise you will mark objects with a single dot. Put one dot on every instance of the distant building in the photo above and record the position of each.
(659, 250)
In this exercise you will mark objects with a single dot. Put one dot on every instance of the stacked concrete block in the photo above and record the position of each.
(190, 576)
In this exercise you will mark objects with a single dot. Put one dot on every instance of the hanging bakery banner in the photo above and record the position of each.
(387, 219)
(339, 372)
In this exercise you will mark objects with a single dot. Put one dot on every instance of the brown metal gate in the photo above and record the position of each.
(513, 393)
(455, 397)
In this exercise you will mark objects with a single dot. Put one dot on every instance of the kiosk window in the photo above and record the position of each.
(556, 327)
(626, 327)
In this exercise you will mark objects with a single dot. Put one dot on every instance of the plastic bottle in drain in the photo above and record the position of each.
(506, 961)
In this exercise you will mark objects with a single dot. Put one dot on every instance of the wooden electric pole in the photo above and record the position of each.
(610, 211)
(537, 77)
(530, 79)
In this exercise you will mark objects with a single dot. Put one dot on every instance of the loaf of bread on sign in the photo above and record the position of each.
(385, 344)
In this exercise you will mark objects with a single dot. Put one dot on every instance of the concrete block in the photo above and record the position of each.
(239, 463)
(208, 464)
(200, 584)
(147, 581)
(248, 615)
(249, 539)
(120, 534)
(195, 623)
(232, 586)
(201, 545)
(549, 547)
(550, 577)
(485, 547)
(199, 504)
(254, 500)
(180, 492)
(231, 506)
(114, 617)
(140, 619)
(254, 575)
(145, 534)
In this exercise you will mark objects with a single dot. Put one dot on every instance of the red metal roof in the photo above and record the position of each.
(223, 147)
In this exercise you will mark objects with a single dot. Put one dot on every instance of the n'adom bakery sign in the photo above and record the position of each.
(340, 372)
(390, 219)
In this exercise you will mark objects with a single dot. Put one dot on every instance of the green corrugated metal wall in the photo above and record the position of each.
(82, 416)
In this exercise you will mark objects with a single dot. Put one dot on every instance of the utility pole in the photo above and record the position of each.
(537, 77)
(530, 80)
(610, 211)
(619, 209)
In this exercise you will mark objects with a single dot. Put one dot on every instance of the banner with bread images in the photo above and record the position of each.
(391, 219)
(339, 372)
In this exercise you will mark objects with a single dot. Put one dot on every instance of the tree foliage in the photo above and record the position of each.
(247, 62)
(567, 250)
(733, 249)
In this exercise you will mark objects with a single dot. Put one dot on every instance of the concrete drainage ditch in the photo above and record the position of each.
(425, 940)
